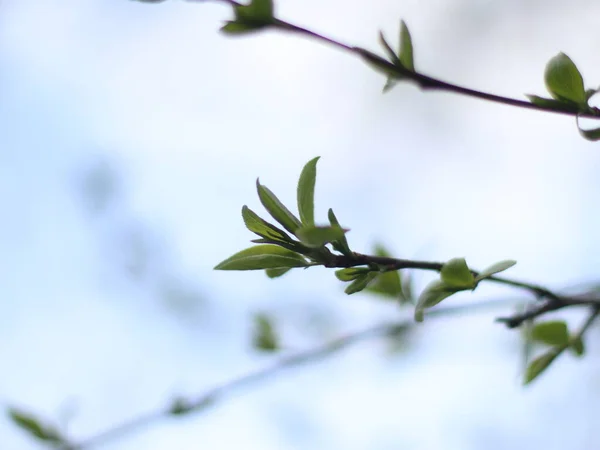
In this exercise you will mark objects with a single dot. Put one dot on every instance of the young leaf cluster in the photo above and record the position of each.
(555, 336)
(455, 276)
(300, 243)
(565, 84)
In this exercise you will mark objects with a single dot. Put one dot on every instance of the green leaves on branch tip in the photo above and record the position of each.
(306, 192)
(277, 210)
(495, 268)
(540, 364)
(255, 16)
(319, 236)
(455, 273)
(553, 333)
(265, 256)
(341, 245)
(455, 276)
(264, 337)
(403, 59)
(563, 80)
(35, 427)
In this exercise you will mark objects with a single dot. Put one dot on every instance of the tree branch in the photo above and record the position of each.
(202, 402)
(423, 81)
(550, 301)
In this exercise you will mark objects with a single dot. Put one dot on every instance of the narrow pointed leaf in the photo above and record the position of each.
(389, 84)
(406, 48)
(378, 63)
(576, 346)
(434, 293)
(496, 268)
(277, 210)
(351, 273)
(319, 236)
(263, 256)
(456, 273)
(263, 228)
(276, 273)
(552, 332)
(306, 192)
(360, 283)
(35, 427)
(553, 104)
(233, 27)
(563, 80)
(341, 245)
(388, 49)
(540, 364)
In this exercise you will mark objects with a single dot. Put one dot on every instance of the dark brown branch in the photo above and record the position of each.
(424, 81)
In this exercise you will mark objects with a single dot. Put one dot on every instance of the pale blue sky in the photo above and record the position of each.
(190, 118)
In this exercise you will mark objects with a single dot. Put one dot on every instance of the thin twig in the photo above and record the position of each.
(423, 81)
(335, 346)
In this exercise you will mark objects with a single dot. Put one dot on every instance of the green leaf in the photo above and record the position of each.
(277, 210)
(306, 192)
(576, 345)
(265, 256)
(591, 135)
(553, 333)
(264, 337)
(457, 274)
(257, 10)
(319, 236)
(276, 273)
(387, 284)
(263, 228)
(540, 364)
(563, 80)
(434, 293)
(389, 50)
(553, 104)
(341, 245)
(351, 273)
(35, 427)
(495, 268)
(233, 27)
(406, 48)
(377, 62)
(361, 282)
